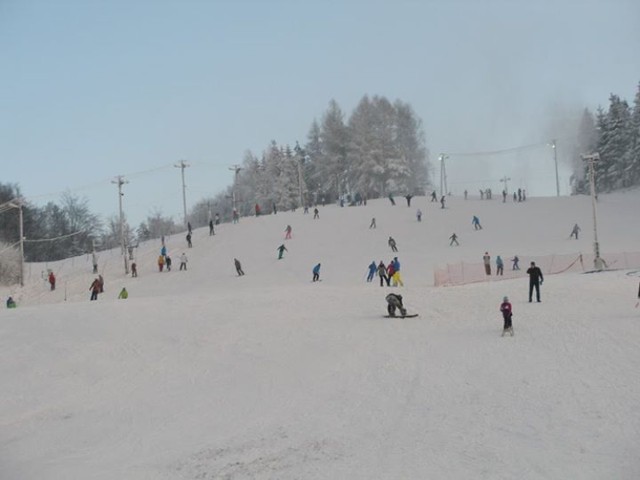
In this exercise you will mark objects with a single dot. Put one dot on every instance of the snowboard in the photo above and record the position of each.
(402, 316)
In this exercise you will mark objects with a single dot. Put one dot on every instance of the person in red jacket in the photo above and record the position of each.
(52, 280)
(505, 308)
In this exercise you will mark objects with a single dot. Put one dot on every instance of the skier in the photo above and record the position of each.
(275, 209)
(519, 194)
(123, 294)
(183, 261)
(235, 216)
(515, 261)
(281, 249)
(465, 194)
(189, 244)
(163, 251)
(287, 230)
(453, 238)
(52, 280)
(535, 280)
(316, 273)
(475, 221)
(316, 213)
(238, 267)
(167, 262)
(211, 232)
(575, 231)
(393, 202)
(94, 259)
(11, 303)
(442, 201)
(134, 270)
(395, 302)
(373, 223)
(397, 280)
(382, 273)
(434, 197)
(487, 263)
(481, 194)
(392, 244)
(524, 196)
(419, 215)
(160, 262)
(499, 265)
(373, 268)
(505, 308)
(515, 198)
(408, 197)
(504, 196)
(94, 289)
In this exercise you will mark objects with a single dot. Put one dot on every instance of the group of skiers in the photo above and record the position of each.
(387, 273)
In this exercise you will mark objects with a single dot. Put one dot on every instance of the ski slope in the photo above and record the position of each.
(203, 374)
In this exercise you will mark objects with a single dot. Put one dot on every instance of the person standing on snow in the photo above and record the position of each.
(94, 289)
(94, 259)
(392, 244)
(393, 202)
(442, 201)
(52, 280)
(434, 198)
(257, 208)
(475, 221)
(316, 273)
(373, 268)
(161, 263)
(167, 262)
(505, 308)
(408, 197)
(134, 270)
(211, 232)
(373, 223)
(287, 230)
(397, 279)
(453, 238)
(499, 265)
(515, 261)
(316, 213)
(487, 263)
(535, 280)
(183, 261)
(123, 294)
(419, 215)
(238, 267)
(575, 231)
(382, 273)
(281, 249)
(189, 244)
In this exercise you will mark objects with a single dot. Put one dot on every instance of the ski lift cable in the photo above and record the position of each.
(55, 238)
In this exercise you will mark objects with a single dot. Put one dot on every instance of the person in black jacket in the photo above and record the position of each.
(535, 280)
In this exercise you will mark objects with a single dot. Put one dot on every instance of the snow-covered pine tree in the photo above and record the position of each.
(586, 142)
(333, 163)
(613, 145)
(634, 162)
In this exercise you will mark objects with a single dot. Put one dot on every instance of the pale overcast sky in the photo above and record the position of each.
(94, 89)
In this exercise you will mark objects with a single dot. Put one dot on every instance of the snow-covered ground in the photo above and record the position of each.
(201, 374)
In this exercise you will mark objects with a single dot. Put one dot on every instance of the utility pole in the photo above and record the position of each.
(555, 161)
(443, 174)
(182, 165)
(18, 204)
(121, 181)
(236, 168)
(598, 263)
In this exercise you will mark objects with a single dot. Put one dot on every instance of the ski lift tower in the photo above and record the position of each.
(598, 262)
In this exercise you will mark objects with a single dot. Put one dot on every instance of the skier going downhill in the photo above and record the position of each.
(505, 308)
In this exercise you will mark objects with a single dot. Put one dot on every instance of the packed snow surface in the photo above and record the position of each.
(203, 374)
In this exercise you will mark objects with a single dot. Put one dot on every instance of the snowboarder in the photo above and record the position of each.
(505, 308)
(52, 280)
(238, 267)
(392, 244)
(395, 302)
(123, 294)
(316, 213)
(453, 238)
(419, 215)
(281, 249)
(535, 280)
(183, 261)
(11, 303)
(373, 268)
(393, 202)
(189, 244)
(434, 197)
(287, 230)
(161, 263)
(316, 273)
(575, 231)
(382, 273)
(515, 261)
(211, 232)
(134, 270)
(487, 263)
(499, 265)
(94, 289)
(475, 221)
(442, 201)
(373, 223)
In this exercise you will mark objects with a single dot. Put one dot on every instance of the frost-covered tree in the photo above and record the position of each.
(634, 160)
(586, 142)
(332, 164)
(613, 145)
(9, 264)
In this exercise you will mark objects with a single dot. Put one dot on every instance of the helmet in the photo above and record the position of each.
(505, 299)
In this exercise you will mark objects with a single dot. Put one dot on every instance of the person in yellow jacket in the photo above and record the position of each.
(160, 262)
(396, 273)
(123, 294)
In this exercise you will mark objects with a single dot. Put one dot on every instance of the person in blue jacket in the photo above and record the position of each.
(316, 273)
(499, 265)
(373, 268)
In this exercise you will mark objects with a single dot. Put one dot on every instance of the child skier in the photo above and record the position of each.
(505, 308)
